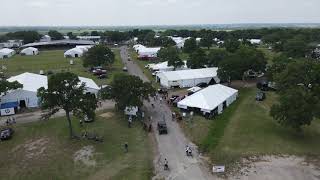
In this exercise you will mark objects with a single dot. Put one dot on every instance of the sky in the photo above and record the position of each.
(155, 12)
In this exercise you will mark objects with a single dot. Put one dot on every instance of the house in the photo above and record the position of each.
(163, 66)
(27, 96)
(73, 53)
(45, 38)
(30, 51)
(211, 100)
(188, 78)
(6, 53)
(255, 41)
(11, 44)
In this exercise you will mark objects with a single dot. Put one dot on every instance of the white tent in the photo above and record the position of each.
(27, 96)
(163, 66)
(179, 41)
(6, 53)
(74, 53)
(84, 48)
(187, 78)
(148, 52)
(255, 41)
(137, 47)
(212, 99)
(30, 51)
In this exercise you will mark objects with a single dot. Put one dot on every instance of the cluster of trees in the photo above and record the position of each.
(6, 86)
(99, 55)
(298, 86)
(26, 36)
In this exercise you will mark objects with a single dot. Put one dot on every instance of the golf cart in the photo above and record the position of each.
(162, 127)
(6, 134)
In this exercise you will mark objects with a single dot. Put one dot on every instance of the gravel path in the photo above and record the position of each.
(172, 145)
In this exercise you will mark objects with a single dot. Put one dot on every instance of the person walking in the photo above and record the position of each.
(166, 166)
(126, 147)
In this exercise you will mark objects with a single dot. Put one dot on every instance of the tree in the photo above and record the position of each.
(171, 55)
(66, 92)
(6, 86)
(26, 36)
(216, 56)
(190, 45)
(127, 90)
(197, 59)
(55, 35)
(71, 35)
(296, 48)
(95, 33)
(299, 89)
(232, 45)
(98, 55)
(206, 42)
(279, 64)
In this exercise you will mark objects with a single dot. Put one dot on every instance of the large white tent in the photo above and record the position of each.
(27, 96)
(148, 52)
(6, 53)
(74, 53)
(187, 78)
(213, 99)
(84, 48)
(30, 51)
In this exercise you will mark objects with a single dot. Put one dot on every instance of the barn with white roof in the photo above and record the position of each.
(6, 53)
(30, 51)
(27, 96)
(188, 78)
(211, 100)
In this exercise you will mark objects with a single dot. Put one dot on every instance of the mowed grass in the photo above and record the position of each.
(247, 129)
(53, 60)
(55, 158)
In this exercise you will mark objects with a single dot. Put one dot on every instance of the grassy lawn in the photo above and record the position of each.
(246, 129)
(53, 60)
(43, 150)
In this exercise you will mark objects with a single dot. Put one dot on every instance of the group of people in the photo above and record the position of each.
(10, 121)
(188, 153)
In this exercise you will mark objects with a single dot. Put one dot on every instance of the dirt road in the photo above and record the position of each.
(170, 146)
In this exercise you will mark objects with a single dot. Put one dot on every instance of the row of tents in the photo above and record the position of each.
(7, 53)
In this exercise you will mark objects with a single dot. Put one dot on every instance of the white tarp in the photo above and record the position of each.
(210, 98)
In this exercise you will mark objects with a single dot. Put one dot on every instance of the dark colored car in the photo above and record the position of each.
(99, 72)
(102, 76)
(6, 134)
(260, 96)
(202, 85)
(162, 91)
(162, 127)
(263, 85)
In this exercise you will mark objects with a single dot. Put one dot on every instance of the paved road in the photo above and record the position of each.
(171, 146)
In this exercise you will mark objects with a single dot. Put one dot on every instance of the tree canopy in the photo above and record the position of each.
(98, 55)
(197, 59)
(6, 86)
(299, 89)
(190, 45)
(171, 55)
(232, 45)
(127, 90)
(206, 42)
(26, 36)
(65, 91)
(216, 56)
(55, 35)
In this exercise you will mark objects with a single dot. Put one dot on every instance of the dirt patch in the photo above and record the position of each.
(278, 168)
(107, 115)
(34, 149)
(85, 156)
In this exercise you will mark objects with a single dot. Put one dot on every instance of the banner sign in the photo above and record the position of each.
(7, 112)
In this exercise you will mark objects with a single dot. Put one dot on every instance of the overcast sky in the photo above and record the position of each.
(156, 12)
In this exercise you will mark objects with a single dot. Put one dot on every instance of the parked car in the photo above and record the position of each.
(162, 91)
(162, 127)
(102, 76)
(263, 85)
(260, 96)
(6, 134)
(98, 72)
(125, 69)
(173, 97)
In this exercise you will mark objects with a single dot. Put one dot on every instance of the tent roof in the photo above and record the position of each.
(30, 81)
(190, 74)
(208, 98)
(74, 50)
(6, 51)
(164, 65)
(29, 48)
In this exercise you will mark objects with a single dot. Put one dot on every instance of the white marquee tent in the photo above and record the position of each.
(30, 51)
(213, 99)
(163, 66)
(148, 52)
(27, 96)
(74, 53)
(6, 53)
(187, 78)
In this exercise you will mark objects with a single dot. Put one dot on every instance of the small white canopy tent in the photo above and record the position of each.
(30, 51)
(73, 53)
(6, 53)
(187, 78)
(211, 99)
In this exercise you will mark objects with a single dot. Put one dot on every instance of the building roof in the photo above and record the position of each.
(208, 98)
(32, 82)
(61, 42)
(190, 74)
(6, 51)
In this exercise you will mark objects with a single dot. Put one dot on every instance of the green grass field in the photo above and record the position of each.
(53, 60)
(43, 150)
(246, 129)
